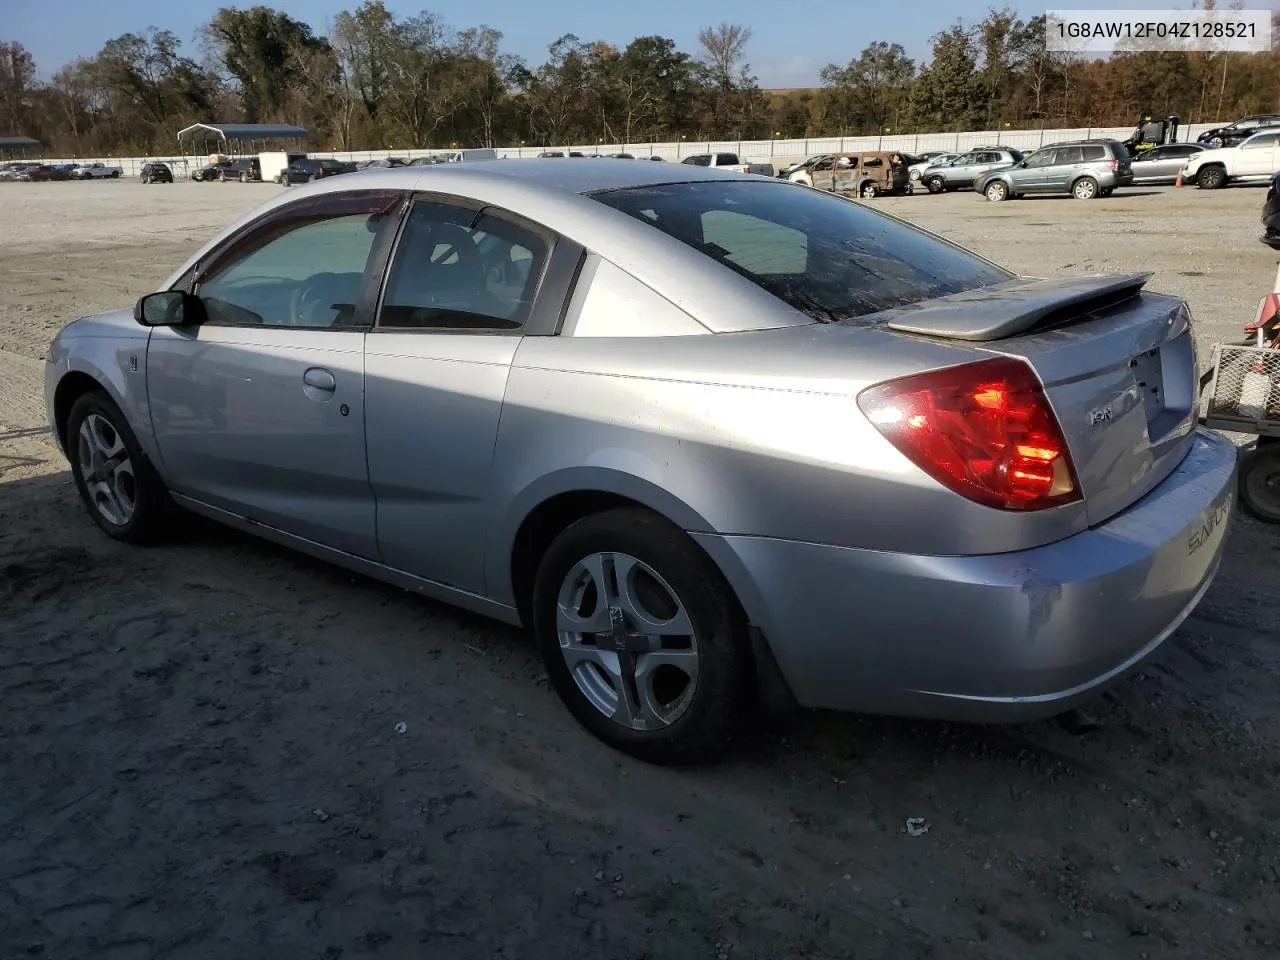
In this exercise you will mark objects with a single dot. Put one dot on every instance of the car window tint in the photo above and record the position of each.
(1093, 152)
(1041, 158)
(702, 160)
(1066, 155)
(307, 276)
(988, 158)
(1262, 140)
(448, 274)
(831, 258)
(1181, 151)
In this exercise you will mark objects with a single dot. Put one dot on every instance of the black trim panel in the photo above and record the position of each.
(558, 282)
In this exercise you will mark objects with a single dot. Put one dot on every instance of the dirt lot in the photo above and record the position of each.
(200, 752)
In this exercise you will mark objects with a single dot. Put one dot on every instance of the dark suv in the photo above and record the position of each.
(1085, 169)
(155, 173)
(1233, 134)
(314, 168)
(246, 170)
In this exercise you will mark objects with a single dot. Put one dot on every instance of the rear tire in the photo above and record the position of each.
(640, 559)
(120, 488)
(1086, 188)
(1211, 178)
(1260, 483)
(869, 191)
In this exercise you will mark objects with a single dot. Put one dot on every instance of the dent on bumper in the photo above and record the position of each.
(1002, 637)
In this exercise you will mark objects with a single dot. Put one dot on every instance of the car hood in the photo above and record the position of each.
(1209, 134)
(1197, 158)
(114, 323)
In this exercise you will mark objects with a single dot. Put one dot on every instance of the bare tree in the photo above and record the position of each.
(723, 49)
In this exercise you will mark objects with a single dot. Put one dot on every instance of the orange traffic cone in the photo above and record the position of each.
(1178, 182)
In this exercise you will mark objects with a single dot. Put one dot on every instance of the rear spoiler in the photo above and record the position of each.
(1013, 307)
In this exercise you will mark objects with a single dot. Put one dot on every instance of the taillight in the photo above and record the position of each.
(985, 430)
(1115, 164)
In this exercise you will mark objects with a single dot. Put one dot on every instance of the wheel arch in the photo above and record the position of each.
(549, 505)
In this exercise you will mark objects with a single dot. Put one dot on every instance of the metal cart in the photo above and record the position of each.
(1241, 394)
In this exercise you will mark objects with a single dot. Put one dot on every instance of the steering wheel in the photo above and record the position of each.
(304, 301)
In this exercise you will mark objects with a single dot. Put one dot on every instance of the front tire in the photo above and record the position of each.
(1260, 483)
(996, 191)
(122, 491)
(1211, 178)
(936, 185)
(870, 191)
(642, 637)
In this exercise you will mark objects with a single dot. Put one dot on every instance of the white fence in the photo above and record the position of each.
(778, 151)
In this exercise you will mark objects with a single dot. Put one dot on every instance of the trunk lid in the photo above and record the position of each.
(1118, 365)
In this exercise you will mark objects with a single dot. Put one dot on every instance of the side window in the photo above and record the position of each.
(701, 160)
(1041, 158)
(1093, 152)
(1261, 141)
(298, 271)
(966, 159)
(988, 158)
(1066, 155)
(726, 159)
(450, 273)
(824, 164)
(757, 246)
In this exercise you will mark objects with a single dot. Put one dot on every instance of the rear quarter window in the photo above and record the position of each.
(1094, 152)
(831, 258)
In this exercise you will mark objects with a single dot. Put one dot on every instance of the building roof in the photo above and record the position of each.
(12, 143)
(241, 131)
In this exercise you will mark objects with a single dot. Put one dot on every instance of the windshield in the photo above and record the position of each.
(831, 258)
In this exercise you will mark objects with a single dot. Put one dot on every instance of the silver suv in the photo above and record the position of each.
(962, 171)
(1085, 169)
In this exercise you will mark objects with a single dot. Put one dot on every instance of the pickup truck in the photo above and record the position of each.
(1258, 157)
(729, 161)
(95, 171)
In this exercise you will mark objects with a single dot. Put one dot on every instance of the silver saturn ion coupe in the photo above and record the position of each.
(712, 437)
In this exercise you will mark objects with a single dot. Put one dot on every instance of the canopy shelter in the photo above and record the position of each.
(11, 147)
(234, 138)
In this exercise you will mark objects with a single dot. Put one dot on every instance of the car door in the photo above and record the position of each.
(963, 172)
(1067, 163)
(822, 174)
(1258, 155)
(259, 410)
(1031, 175)
(463, 287)
(1170, 160)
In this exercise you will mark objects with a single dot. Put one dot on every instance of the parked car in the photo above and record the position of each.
(314, 168)
(209, 172)
(728, 161)
(1271, 214)
(1255, 159)
(97, 170)
(1163, 164)
(791, 168)
(385, 163)
(829, 455)
(155, 172)
(867, 174)
(961, 172)
(925, 161)
(10, 171)
(1086, 169)
(43, 172)
(244, 169)
(1233, 134)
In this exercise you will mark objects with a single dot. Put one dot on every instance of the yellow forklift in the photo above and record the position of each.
(1152, 133)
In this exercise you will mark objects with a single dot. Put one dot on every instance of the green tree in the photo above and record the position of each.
(869, 90)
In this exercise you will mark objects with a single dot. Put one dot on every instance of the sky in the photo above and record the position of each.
(791, 41)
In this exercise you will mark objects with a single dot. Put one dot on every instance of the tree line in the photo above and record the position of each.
(376, 81)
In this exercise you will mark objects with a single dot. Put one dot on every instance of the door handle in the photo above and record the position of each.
(320, 379)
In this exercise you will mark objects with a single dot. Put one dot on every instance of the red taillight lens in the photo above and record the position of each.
(984, 430)
(1115, 164)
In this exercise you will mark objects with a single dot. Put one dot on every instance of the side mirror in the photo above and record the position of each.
(168, 308)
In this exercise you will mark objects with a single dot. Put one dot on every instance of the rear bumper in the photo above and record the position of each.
(1004, 637)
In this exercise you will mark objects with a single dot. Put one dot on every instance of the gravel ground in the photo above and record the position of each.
(221, 749)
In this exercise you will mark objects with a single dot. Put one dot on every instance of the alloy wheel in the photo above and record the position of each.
(107, 470)
(627, 640)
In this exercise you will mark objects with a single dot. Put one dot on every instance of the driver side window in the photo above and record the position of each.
(456, 270)
(304, 270)
(1041, 158)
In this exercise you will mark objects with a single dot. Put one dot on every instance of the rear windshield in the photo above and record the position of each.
(828, 257)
